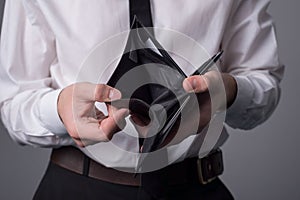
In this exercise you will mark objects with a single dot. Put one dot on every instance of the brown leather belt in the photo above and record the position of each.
(193, 170)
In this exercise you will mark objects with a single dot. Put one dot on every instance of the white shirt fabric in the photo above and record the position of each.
(43, 44)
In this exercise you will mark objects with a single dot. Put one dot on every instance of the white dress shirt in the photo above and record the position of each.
(44, 43)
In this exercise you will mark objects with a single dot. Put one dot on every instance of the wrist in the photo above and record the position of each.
(230, 85)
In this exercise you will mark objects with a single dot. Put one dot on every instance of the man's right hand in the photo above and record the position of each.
(84, 122)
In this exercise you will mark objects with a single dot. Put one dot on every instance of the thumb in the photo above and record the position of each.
(197, 84)
(105, 93)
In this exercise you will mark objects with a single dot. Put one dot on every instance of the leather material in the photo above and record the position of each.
(184, 172)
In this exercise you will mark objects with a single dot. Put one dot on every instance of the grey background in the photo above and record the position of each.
(260, 164)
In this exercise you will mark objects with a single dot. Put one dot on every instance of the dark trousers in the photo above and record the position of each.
(61, 184)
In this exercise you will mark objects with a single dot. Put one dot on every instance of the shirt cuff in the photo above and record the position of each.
(49, 115)
(236, 114)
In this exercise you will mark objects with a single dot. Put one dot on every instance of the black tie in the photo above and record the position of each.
(142, 10)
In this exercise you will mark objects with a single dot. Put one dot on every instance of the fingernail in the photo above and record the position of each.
(114, 94)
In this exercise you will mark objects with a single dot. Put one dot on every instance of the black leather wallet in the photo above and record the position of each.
(159, 82)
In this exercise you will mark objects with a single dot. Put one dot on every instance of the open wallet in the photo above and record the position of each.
(151, 85)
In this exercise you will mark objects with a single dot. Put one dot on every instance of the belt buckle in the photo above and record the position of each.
(210, 167)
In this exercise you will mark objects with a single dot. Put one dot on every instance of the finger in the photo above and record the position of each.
(105, 93)
(84, 91)
(118, 114)
(91, 131)
(96, 92)
(195, 84)
(114, 122)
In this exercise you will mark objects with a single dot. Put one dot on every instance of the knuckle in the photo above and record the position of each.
(101, 92)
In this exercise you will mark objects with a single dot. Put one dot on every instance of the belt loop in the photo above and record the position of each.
(86, 166)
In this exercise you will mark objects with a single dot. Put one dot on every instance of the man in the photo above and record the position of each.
(45, 103)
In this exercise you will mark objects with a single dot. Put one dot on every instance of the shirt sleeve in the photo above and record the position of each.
(251, 56)
(28, 101)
